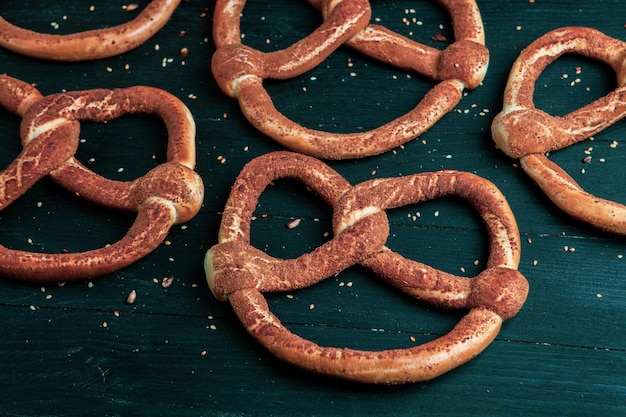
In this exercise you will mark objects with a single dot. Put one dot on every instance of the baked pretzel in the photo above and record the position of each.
(522, 131)
(239, 273)
(92, 44)
(240, 70)
(169, 194)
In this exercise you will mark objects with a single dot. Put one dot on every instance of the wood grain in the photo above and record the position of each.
(179, 352)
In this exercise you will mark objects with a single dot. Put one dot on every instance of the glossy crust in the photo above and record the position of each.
(170, 193)
(522, 131)
(240, 71)
(239, 273)
(92, 44)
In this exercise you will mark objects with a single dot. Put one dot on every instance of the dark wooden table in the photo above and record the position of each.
(79, 349)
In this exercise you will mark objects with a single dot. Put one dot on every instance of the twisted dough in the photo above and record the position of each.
(240, 70)
(522, 131)
(168, 194)
(92, 44)
(240, 273)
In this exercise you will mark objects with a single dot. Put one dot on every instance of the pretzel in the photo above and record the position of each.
(92, 44)
(522, 131)
(239, 273)
(169, 194)
(240, 70)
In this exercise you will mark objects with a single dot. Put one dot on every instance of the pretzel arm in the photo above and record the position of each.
(464, 342)
(92, 44)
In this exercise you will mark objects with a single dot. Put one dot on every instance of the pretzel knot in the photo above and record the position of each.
(240, 273)
(168, 194)
(522, 131)
(92, 44)
(240, 70)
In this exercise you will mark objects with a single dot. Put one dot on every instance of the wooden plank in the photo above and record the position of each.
(177, 351)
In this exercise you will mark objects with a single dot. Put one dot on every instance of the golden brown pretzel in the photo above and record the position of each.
(240, 273)
(522, 131)
(240, 71)
(92, 44)
(168, 194)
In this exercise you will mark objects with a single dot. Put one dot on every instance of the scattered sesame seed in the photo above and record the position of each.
(294, 223)
(167, 282)
(132, 296)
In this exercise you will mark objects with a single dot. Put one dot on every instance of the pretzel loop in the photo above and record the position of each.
(92, 44)
(466, 59)
(240, 71)
(496, 288)
(264, 272)
(102, 105)
(170, 193)
(239, 273)
(237, 60)
(522, 131)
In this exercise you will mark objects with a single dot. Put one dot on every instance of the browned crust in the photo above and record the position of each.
(92, 44)
(522, 131)
(168, 194)
(240, 70)
(240, 273)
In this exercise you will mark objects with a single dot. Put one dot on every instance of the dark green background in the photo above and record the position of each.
(563, 354)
